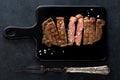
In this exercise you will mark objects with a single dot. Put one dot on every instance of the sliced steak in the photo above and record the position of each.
(50, 33)
(99, 24)
(46, 31)
(86, 31)
(53, 33)
(92, 30)
(71, 30)
(78, 36)
(61, 31)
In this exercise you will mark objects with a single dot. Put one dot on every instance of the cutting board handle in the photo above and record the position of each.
(13, 32)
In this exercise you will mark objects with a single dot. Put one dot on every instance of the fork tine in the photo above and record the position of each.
(33, 69)
(30, 71)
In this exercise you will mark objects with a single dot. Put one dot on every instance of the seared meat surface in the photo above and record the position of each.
(50, 33)
(61, 31)
(86, 31)
(99, 24)
(80, 30)
(91, 30)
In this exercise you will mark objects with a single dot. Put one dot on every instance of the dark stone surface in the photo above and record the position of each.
(16, 54)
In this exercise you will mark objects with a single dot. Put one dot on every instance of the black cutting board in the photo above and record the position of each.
(95, 52)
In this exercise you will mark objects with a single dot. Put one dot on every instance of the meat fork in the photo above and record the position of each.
(103, 70)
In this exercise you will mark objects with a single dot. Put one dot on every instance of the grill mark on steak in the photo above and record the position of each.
(62, 31)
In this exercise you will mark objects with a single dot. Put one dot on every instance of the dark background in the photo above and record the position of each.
(15, 54)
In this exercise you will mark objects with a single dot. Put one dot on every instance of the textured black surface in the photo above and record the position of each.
(16, 54)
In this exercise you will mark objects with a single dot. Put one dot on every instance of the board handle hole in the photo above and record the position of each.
(10, 33)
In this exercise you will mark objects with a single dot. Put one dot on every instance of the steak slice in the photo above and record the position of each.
(92, 30)
(99, 24)
(71, 30)
(53, 33)
(50, 33)
(46, 31)
(61, 31)
(86, 31)
(78, 36)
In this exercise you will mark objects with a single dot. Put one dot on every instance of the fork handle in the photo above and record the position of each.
(103, 70)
